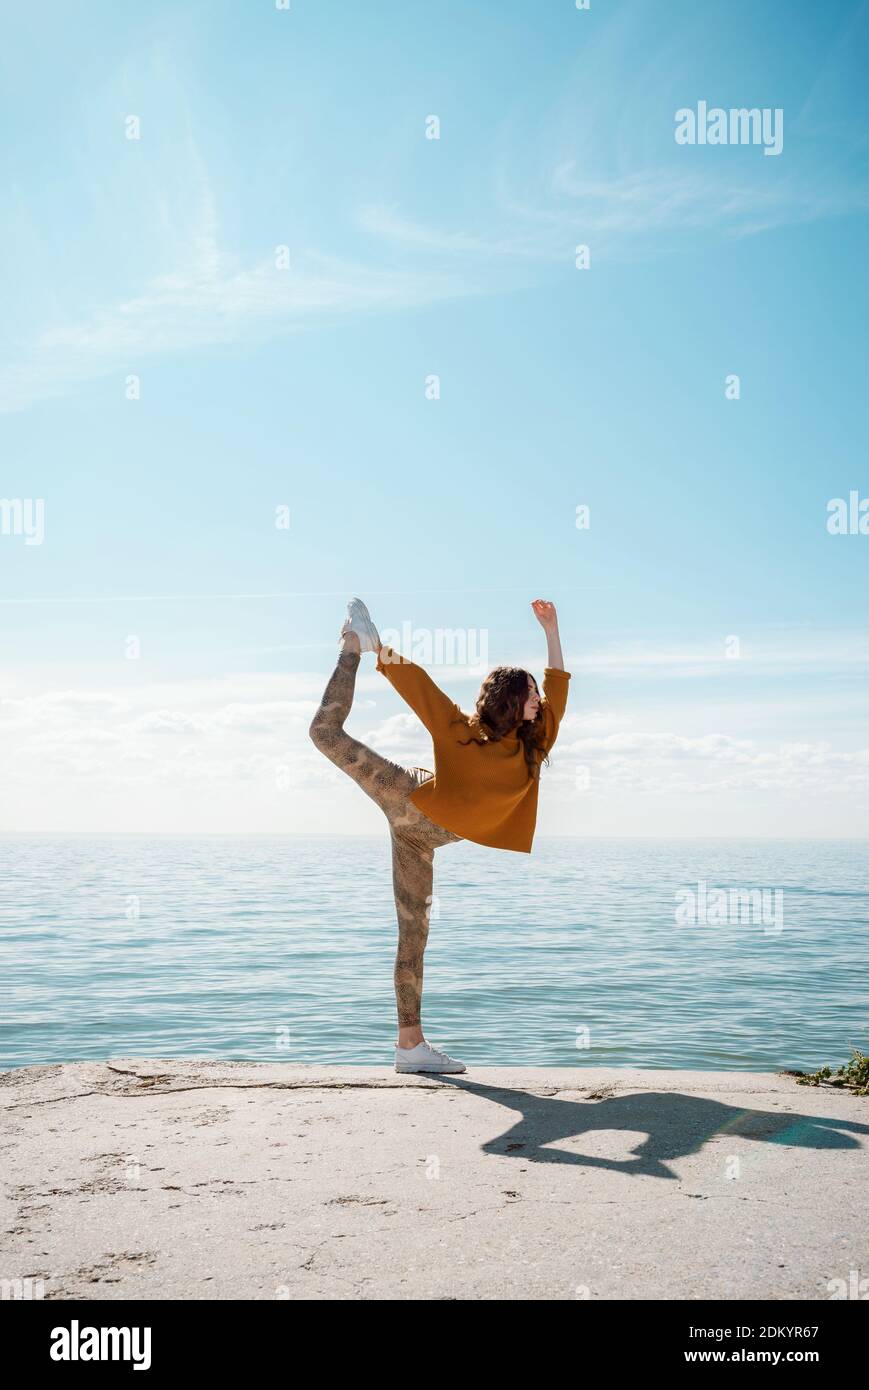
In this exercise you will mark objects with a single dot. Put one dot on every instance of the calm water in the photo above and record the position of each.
(281, 949)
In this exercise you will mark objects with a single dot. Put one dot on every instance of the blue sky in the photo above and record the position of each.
(305, 386)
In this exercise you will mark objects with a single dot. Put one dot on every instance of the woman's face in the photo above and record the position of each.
(532, 704)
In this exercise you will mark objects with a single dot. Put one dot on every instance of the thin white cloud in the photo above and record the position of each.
(762, 655)
(611, 212)
(598, 163)
(210, 299)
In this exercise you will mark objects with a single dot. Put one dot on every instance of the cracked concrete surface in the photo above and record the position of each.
(197, 1179)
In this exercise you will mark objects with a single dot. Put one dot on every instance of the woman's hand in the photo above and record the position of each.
(545, 613)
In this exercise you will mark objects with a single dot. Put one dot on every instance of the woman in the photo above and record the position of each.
(484, 787)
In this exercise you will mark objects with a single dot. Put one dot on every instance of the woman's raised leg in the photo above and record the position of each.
(385, 782)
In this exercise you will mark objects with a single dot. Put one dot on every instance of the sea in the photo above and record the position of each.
(650, 953)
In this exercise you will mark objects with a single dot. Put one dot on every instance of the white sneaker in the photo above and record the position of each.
(424, 1057)
(360, 623)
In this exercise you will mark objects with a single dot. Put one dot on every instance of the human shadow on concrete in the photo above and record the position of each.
(676, 1125)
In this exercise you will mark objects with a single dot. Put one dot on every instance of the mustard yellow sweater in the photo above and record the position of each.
(482, 792)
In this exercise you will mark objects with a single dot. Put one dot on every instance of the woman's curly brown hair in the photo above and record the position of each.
(500, 704)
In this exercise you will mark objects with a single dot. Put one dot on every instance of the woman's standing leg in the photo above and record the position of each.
(414, 841)
(412, 880)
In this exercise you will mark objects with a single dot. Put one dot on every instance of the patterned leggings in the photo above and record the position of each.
(414, 837)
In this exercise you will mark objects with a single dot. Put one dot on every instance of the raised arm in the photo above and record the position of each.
(547, 617)
(555, 679)
(416, 687)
